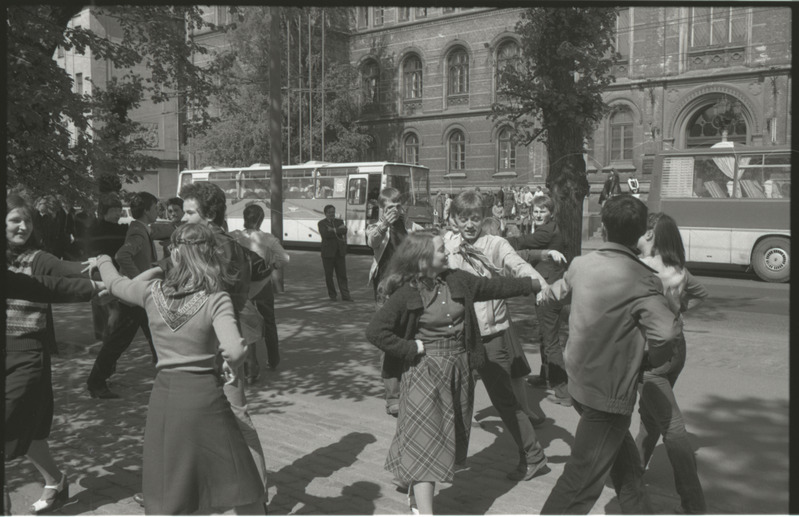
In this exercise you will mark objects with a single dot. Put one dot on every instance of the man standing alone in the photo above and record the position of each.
(333, 232)
(617, 306)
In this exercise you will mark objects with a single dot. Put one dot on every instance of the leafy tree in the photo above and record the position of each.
(50, 147)
(553, 93)
(241, 137)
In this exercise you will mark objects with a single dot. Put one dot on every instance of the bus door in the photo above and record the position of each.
(355, 216)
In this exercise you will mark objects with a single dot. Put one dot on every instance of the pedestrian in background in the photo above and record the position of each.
(262, 293)
(439, 208)
(195, 456)
(524, 210)
(428, 324)
(498, 213)
(333, 232)
(28, 379)
(617, 305)
(550, 318)
(662, 249)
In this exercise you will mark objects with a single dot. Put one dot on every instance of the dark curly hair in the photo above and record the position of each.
(211, 203)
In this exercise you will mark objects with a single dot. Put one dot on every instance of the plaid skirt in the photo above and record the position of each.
(435, 414)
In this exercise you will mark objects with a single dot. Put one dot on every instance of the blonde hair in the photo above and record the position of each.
(197, 260)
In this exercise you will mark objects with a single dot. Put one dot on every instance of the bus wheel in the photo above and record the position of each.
(771, 259)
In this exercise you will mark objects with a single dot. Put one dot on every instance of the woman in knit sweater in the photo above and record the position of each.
(28, 385)
(428, 325)
(195, 456)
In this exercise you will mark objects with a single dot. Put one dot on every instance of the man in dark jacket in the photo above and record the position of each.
(134, 256)
(333, 232)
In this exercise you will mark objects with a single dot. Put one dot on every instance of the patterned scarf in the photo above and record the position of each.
(24, 317)
(177, 308)
(477, 260)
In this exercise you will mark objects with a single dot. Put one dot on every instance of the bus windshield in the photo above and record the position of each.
(412, 182)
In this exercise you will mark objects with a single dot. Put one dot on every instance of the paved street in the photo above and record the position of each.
(322, 423)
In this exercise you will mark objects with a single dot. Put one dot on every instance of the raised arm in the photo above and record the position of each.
(127, 290)
(514, 265)
(501, 287)
(49, 289)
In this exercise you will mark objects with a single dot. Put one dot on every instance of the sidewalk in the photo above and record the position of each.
(320, 417)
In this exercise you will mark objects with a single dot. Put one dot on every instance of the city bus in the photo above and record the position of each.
(732, 204)
(352, 188)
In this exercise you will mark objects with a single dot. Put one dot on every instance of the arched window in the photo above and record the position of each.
(621, 135)
(370, 75)
(412, 78)
(458, 72)
(506, 151)
(410, 149)
(456, 160)
(705, 127)
(508, 57)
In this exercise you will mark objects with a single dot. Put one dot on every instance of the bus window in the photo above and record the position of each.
(185, 179)
(330, 183)
(298, 184)
(255, 185)
(226, 181)
(403, 184)
(357, 191)
(709, 180)
(765, 176)
(421, 188)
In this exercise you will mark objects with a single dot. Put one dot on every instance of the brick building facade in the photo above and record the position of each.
(430, 75)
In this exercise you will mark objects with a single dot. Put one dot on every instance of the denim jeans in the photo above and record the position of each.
(602, 446)
(661, 416)
(496, 378)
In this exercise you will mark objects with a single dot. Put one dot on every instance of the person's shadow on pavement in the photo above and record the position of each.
(292, 481)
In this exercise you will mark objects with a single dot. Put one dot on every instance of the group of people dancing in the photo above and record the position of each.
(442, 322)
(201, 449)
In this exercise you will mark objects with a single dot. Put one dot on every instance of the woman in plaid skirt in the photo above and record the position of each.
(428, 326)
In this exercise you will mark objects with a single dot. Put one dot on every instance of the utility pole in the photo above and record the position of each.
(288, 90)
(299, 84)
(324, 84)
(310, 89)
(275, 130)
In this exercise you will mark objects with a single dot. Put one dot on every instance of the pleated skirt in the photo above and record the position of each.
(195, 456)
(435, 413)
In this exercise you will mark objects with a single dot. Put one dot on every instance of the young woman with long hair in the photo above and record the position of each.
(429, 327)
(28, 378)
(195, 456)
(662, 249)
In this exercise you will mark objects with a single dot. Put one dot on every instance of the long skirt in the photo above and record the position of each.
(435, 414)
(195, 456)
(29, 400)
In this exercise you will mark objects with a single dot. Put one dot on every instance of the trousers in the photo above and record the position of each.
(130, 320)
(602, 446)
(337, 264)
(496, 376)
(265, 305)
(661, 416)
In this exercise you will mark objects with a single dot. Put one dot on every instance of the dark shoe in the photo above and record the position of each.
(560, 396)
(347, 299)
(139, 499)
(526, 472)
(536, 381)
(102, 392)
(59, 494)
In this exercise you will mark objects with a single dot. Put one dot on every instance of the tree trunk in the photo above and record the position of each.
(568, 184)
